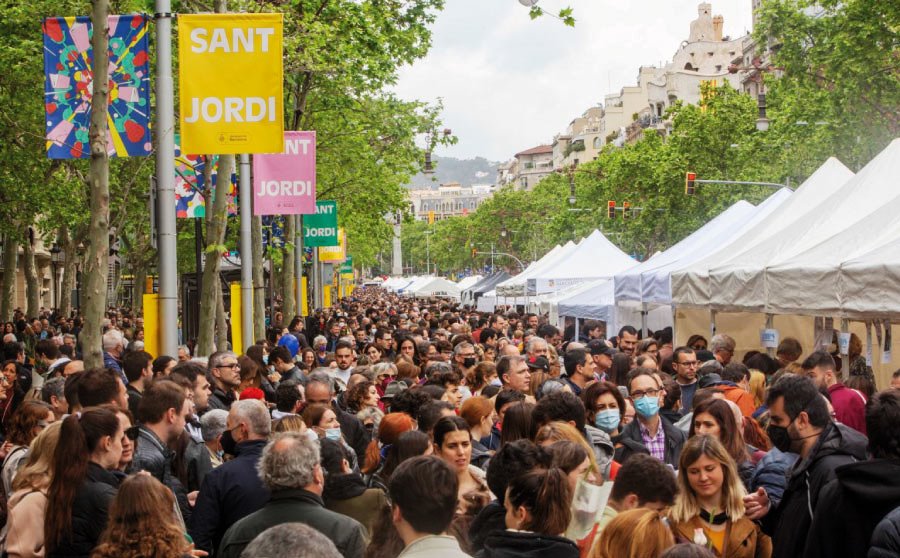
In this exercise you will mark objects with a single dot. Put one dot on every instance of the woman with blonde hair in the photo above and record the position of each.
(28, 502)
(557, 431)
(142, 523)
(709, 508)
(637, 533)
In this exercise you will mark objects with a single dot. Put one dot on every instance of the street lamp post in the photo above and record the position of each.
(55, 251)
(428, 252)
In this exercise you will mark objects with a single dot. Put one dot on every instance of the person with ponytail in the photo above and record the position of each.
(389, 430)
(537, 514)
(82, 487)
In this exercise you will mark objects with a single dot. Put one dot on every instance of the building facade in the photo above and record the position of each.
(449, 200)
(533, 165)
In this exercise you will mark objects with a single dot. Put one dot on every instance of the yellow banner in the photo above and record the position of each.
(335, 254)
(151, 324)
(231, 83)
(237, 318)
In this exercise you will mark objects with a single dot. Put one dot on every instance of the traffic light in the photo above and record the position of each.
(626, 210)
(474, 253)
(611, 209)
(689, 179)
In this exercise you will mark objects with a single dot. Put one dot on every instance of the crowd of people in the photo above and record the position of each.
(388, 427)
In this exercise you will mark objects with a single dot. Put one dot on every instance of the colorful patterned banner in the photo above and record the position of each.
(189, 202)
(67, 86)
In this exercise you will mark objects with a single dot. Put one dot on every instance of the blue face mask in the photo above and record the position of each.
(265, 359)
(647, 406)
(333, 434)
(607, 420)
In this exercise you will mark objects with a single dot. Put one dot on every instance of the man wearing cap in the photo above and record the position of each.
(540, 364)
(602, 355)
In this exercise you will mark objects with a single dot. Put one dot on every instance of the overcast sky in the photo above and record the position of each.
(509, 83)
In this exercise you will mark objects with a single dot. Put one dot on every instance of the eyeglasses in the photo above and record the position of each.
(132, 432)
(232, 366)
(649, 392)
(689, 363)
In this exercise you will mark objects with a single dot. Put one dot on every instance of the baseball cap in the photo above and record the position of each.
(598, 347)
(394, 389)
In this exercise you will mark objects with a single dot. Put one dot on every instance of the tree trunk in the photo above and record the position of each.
(140, 287)
(221, 322)
(288, 307)
(215, 237)
(32, 288)
(96, 265)
(8, 286)
(259, 282)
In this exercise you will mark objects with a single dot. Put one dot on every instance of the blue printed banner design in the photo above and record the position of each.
(189, 184)
(67, 86)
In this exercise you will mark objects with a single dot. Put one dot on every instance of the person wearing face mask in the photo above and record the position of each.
(649, 433)
(605, 406)
(323, 420)
(799, 422)
(233, 490)
(464, 358)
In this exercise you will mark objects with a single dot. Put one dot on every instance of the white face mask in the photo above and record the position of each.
(311, 435)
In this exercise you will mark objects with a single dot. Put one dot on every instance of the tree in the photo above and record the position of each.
(96, 267)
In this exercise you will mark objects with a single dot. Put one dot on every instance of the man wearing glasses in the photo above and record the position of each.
(225, 373)
(649, 433)
(684, 359)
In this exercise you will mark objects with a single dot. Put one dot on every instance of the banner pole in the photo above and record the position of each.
(298, 261)
(246, 197)
(165, 176)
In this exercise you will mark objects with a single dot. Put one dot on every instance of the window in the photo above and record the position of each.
(598, 143)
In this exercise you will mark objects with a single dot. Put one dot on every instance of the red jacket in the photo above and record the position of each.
(849, 406)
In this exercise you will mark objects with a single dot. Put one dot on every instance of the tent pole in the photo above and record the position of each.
(845, 358)
(712, 323)
(674, 332)
(644, 331)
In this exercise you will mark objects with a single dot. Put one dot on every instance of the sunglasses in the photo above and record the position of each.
(132, 432)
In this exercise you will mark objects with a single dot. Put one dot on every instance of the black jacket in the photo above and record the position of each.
(489, 521)
(220, 400)
(355, 434)
(886, 538)
(90, 512)
(632, 442)
(298, 505)
(134, 399)
(851, 506)
(153, 456)
(228, 493)
(518, 544)
(789, 524)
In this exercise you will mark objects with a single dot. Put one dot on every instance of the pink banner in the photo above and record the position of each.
(285, 184)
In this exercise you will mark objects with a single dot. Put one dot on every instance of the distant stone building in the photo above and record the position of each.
(704, 58)
(449, 200)
(533, 165)
(581, 142)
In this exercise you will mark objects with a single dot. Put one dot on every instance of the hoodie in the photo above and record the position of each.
(525, 544)
(851, 506)
(790, 523)
(604, 450)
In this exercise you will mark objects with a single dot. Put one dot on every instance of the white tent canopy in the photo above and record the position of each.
(740, 283)
(434, 286)
(597, 302)
(869, 283)
(515, 286)
(856, 221)
(594, 258)
(691, 284)
(629, 284)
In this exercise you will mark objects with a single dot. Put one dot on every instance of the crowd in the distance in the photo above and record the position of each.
(386, 427)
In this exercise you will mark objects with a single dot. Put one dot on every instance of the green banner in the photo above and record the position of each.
(347, 266)
(321, 229)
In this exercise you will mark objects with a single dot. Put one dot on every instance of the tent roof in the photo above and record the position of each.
(629, 284)
(467, 282)
(691, 282)
(431, 286)
(740, 283)
(594, 258)
(515, 285)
